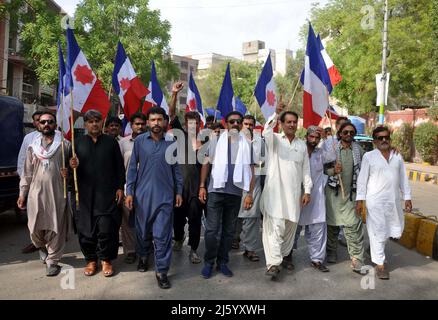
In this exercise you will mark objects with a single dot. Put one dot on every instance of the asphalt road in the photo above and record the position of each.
(22, 276)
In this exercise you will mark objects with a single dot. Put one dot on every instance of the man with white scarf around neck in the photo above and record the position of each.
(288, 170)
(42, 183)
(232, 172)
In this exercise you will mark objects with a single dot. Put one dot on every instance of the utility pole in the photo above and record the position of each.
(384, 71)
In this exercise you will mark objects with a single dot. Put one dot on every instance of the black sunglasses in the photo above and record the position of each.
(233, 121)
(47, 121)
(381, 138)
(351, 133)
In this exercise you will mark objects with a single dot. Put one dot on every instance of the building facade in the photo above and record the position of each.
(186, 65)
(17, 78)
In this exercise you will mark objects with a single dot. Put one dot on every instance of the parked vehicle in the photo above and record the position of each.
(11, 137)
(366, 142)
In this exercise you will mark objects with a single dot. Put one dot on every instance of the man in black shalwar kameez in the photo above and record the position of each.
(101, 178)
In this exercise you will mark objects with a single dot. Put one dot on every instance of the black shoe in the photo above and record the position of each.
(142, 264)
(53, 270)
(29, 249)
(319, 266)
(163, 281)
(130, 258)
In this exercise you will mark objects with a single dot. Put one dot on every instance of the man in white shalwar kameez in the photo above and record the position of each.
(382, 181)
(313, 216)
(287, 171)
(42, 184)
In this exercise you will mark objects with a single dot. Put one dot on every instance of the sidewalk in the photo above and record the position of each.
(423, 173)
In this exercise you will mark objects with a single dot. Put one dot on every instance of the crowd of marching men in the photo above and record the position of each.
(234, 178)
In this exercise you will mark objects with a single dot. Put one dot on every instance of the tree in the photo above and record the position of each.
(39, 30)
(142, 32)
(355, 45)
(435, 44)
(99, 24)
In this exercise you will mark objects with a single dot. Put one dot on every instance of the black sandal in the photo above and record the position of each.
(251, 255)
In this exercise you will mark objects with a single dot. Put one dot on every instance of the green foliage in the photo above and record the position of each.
(402, 141)
(435, 38)
(142, 32)
(39, 31)
(433, 113)
(426, 141)
(99, 24)
(301, 133)
(357, 51)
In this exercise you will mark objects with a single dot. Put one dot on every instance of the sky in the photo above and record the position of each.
(203, 26)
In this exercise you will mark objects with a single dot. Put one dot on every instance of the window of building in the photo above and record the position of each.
(184, 65)
(183, 77)
(182, 100)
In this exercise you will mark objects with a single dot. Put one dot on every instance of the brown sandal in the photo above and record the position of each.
(107, 269)
(251, 255)
(91, 268)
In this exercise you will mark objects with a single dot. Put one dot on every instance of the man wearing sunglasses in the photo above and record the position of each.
(42, 184)
(340, 206)
(382, 181)
(232, 173)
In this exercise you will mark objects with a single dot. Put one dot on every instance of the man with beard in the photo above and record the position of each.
(312, 216)
(101, 178)
(28, 139)
(340, 209)
(288, 171)
(138, 126)
(232, 173)
(248, 223)
(153, 187)
(381, 180)
(42, 183)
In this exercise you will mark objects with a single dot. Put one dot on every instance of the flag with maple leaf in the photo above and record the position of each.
(194, 102)
(82, 85)
(265, 90)
(126, 84)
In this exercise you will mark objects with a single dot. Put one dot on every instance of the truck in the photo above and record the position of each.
(11, 137)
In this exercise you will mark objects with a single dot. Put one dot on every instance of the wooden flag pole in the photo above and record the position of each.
(75, 174)
(62, 142)
(293, 94)
(337, 159)
(109, 98)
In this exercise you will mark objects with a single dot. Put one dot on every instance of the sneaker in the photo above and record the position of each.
(177, 246)
(194, 257)
(207, 271)
(223, 268)
(43, 254)
(52, 270)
